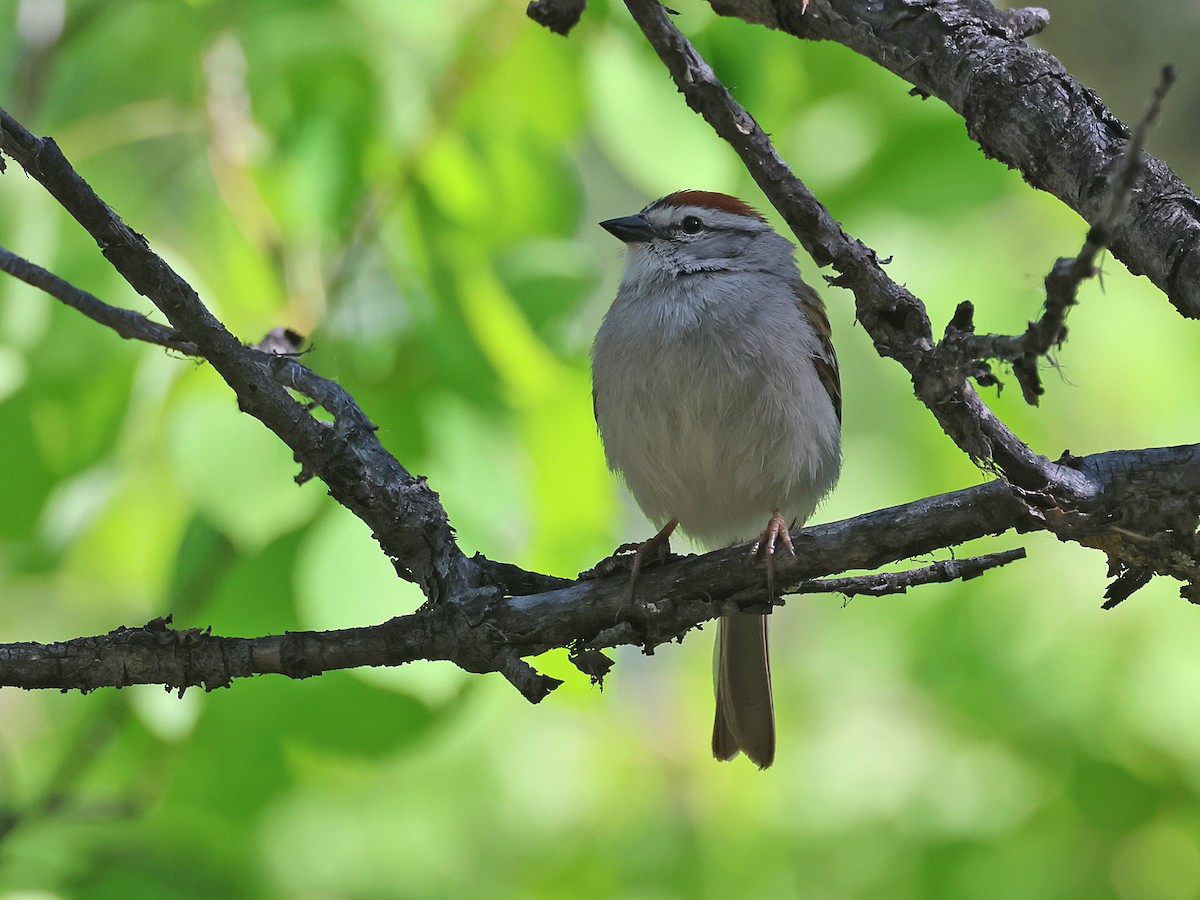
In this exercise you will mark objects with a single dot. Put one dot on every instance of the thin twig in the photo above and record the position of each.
(127, 323)
(877, 584)
(1025, 351)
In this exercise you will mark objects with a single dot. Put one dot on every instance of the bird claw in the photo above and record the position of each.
(632, 557)
(631, 547)
(776, 531)
(657, 547)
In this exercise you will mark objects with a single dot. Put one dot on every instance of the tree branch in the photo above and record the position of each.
(125, 322)
(878, 584)
(403, 513)
(1062, 283)
(1143, 519)
(1022, 107)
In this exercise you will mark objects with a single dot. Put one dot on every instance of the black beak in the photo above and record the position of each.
(630, 229)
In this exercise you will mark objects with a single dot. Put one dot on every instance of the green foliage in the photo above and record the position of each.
(414, 185)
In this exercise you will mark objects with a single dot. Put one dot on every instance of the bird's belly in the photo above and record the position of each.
(721, 467)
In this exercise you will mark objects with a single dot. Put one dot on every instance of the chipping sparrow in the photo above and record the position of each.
(716, 391)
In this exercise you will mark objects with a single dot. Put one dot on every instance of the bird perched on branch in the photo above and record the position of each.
(717, 396)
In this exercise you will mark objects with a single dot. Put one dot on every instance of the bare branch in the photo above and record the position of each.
(877, 584)
(1062, 284)
(125, 322)
(351, 430)
(1144, 520)
(1022, 107)
(403, 513)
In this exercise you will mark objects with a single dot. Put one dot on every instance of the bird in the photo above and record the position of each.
(717, 397)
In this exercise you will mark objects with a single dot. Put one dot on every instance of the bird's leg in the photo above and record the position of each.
(776, 530)
(659, 545)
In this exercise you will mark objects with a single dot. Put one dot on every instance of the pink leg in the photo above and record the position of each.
(776, 530)
(658, 545)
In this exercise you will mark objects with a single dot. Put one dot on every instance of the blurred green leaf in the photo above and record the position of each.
(257, 499)
(633, 134)
(550, 280)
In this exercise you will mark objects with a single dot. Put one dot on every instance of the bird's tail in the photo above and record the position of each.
(745, 719)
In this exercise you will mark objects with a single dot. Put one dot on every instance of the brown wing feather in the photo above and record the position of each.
(808, 301)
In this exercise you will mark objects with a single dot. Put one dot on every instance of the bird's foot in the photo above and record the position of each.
(633, 557)
(775, 532)
(656, 549)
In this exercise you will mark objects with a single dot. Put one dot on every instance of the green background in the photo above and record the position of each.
(415, 186)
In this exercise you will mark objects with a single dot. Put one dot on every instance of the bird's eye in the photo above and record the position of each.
(691, 225)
